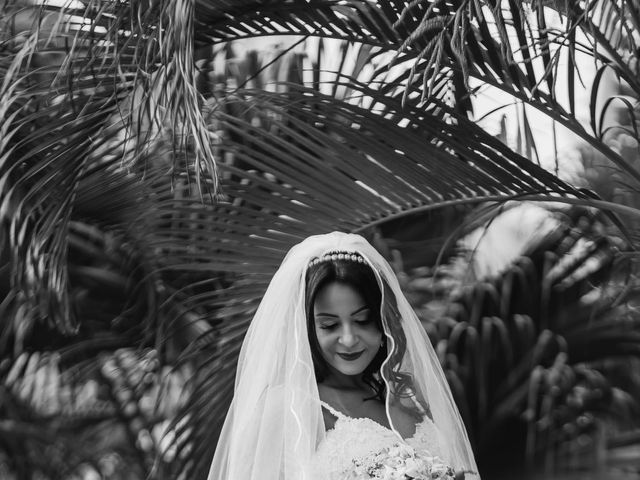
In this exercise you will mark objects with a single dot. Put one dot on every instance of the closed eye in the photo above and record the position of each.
(328, 326)
(362, 317)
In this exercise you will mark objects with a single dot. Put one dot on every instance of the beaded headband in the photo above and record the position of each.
(334, 256)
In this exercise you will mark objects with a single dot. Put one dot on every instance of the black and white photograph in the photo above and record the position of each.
(319, 240)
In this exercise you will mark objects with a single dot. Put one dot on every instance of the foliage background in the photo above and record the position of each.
(153, 174)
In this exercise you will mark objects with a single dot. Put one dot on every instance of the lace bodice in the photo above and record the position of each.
(356, 437)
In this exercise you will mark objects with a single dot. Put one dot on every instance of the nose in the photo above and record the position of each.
(348, 338)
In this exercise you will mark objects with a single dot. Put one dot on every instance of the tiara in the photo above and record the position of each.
(335, 256)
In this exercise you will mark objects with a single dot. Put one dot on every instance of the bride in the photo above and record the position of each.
(337, 379)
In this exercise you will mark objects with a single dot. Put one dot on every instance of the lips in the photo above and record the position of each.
(350, 356)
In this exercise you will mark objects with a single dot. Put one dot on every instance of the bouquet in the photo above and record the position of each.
(399, 462)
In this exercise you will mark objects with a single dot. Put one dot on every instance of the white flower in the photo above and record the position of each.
(399, 462)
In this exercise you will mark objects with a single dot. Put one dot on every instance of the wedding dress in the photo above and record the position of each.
(353, 438)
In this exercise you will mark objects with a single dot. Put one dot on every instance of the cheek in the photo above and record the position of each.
(324, 340)
(373, 336)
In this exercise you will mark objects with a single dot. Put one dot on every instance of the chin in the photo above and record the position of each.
(351, 370)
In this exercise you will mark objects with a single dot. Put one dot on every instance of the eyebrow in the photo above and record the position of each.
(324, 314)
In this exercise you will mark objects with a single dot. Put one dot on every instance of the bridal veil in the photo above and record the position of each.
(275, 421)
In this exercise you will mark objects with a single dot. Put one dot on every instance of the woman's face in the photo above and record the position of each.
(347, 333)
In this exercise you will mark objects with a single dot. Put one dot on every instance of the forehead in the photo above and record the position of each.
(337, 296)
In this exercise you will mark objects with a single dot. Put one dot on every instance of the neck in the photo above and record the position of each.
(340, 381)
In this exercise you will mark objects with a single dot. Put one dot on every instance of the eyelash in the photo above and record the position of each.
(328, 327)
(333, 325)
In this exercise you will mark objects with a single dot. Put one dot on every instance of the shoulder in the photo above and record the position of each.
(327, 397)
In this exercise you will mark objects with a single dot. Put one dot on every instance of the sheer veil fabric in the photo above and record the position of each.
(275, 421)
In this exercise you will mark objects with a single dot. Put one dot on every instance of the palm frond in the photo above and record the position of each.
(512, 47)
(87, 82)
(560, 322)
(366, 22)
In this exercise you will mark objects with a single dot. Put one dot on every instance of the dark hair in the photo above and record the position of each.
(360, 277)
